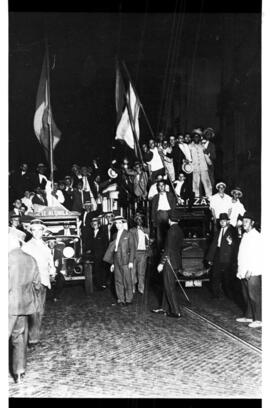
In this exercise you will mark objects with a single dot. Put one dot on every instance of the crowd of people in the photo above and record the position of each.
(123, 216)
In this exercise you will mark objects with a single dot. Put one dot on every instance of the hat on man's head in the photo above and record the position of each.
(95, 219)
(138, 215)
(37, 223)
(14, 216)
(237, 190)
(87, 202)
(224, 216)
(174, 216)
(249, 215)
(197, 131)
(67, 177)
(119, 218)
(221, 184)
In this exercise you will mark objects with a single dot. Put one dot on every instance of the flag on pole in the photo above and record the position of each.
(43, 117)
(119, 94)
(124, 129)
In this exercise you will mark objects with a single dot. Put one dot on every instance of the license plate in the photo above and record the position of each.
(193, 283)
(71, 278)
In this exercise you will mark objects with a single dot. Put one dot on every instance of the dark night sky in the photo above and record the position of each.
(83, 80)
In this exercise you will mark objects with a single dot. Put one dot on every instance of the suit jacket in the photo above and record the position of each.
(178, 156)
(211, 149)
(227, 253)
(24, 283)
(126, 248)
(36, 182)
(77, 204)
(184, 193)
(37, 200)
(21, 183)
(68, 195)
(173, 246)
(98, 244)
(172, 202)
(106, 232)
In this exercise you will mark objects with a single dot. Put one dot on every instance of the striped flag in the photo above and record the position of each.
(124, 129)
(43, 117)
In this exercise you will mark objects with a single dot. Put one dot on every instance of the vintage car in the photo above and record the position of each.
(64, 233)
(196, 225)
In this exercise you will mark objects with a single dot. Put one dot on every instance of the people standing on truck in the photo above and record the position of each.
(200, 167)
(155, 164)
(221, 256)
(169, 265)
(38, 249)
(210, 152)
(250, 271)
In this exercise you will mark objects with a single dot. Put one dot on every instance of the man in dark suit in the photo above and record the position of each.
(79, 197)
(39, 197)
(22, 180)
(171, 262)
(59, 284)
(86, 219)
(162, 205)
(123, 258)
(221, 256)
(96, 245)
(24, 286)
(39, 178)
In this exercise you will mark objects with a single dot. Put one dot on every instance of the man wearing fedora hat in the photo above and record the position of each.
(199, 164)
(221, 256)
(250, 271)
(237, 207)
(140, 236)
(171, 262)
(38, 249)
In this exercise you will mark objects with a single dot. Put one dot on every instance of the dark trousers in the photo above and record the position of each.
(59, 285)
(139, 268)
(161, 228)
(169, 300)
(222, 278)
(35, 319)
(99, 272)
(18, 330)
(251, 290)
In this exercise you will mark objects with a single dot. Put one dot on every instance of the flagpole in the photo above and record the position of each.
(49, 115)
(150, 128)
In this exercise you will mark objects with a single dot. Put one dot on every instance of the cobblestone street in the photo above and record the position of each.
(91, 348)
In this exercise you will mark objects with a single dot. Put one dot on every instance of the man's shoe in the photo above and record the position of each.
(255, 324)
(243, 320)
(160, 311)
(32, 346)
(128, 303)
(176, 315)
(19, 377)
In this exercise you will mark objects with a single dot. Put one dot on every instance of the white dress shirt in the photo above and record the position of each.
(250, 254)
(178, 186)
(118, 236)
(236, 209)
(220, 204)
(42, 254)
(163, 203)
(141, 239)
(185, 149)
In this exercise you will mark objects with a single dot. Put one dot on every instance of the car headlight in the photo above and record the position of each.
(68, 252)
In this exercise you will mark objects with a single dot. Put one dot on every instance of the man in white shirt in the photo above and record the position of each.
(38, 249)
(27, 201)
(219, 202)
(237, 207)
(250, 271)
(155, 164)
(153, 188)
(141, 242)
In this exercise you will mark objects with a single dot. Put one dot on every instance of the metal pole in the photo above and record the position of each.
(169, 262)
(49, 115)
